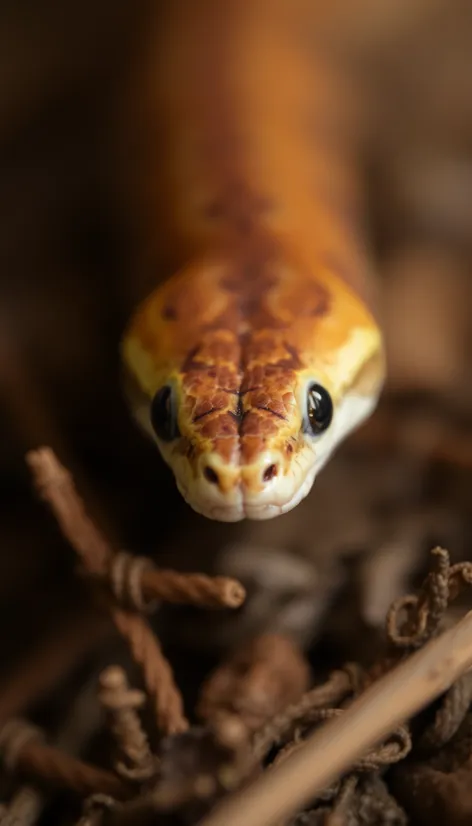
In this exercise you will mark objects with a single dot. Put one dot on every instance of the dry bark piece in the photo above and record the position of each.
(259, 680)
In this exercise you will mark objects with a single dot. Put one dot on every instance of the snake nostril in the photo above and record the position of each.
(210, 475)
(270, 472)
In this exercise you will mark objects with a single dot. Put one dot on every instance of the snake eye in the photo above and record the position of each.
(163, 415)
(319, 409)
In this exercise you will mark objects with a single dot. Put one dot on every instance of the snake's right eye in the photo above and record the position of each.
(163, 415)
(320, 409)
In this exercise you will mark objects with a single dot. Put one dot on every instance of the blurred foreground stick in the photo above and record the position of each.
(96, 554)
(124, 590)
(335, 747)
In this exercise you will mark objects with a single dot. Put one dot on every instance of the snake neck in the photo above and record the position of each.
(250, 198)
(251, 138)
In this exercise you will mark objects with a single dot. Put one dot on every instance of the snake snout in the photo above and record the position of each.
(231, 490)
(212, 476)
(218, 479)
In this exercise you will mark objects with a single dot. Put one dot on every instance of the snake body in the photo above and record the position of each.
(259, 351)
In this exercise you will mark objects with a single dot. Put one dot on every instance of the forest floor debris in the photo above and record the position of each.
(256, 712)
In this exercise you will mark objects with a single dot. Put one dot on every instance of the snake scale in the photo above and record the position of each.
(259, 351)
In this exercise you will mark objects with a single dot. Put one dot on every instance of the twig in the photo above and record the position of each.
(339, 686)
(96, 554)
(56, 486)
(424, 610)
(22, 748)
(413, 619)
(337, 745)
(193, 589)
(156, 670)
(122, 703)
(393, 750)
(135, 580)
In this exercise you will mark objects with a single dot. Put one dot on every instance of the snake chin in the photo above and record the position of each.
(247, 509)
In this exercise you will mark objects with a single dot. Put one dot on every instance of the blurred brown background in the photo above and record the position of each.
(67, 286)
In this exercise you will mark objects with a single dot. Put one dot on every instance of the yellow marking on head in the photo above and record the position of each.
(241, 368)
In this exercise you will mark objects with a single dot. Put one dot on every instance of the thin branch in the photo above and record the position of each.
(55, 484)
(155, 668)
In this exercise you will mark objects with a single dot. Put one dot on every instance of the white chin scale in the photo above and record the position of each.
(254, 510)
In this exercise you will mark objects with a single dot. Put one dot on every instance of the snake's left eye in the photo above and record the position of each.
(319, 409)
(163, 415)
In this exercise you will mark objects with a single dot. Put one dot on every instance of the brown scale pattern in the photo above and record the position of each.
(235, 408)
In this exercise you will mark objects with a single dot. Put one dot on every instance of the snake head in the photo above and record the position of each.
(247, 396)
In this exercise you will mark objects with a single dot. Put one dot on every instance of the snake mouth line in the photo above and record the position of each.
(246, 509)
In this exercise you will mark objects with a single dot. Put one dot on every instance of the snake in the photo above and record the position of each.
(259, 349)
